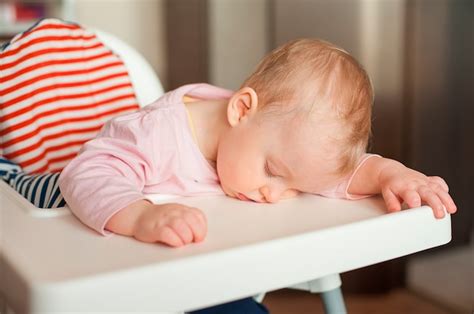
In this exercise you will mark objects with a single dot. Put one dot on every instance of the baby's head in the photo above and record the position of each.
(310, 102)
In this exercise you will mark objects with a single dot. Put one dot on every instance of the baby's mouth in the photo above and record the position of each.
(242, 197)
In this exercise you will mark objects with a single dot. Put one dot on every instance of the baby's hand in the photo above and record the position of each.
(401, 184)
(172, 224)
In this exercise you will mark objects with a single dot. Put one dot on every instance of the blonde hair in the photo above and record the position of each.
(338, 87)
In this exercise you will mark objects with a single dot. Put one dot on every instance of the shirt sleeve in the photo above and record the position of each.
(341, 190)
(110, 172)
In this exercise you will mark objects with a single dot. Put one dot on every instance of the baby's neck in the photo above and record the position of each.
(210, 121)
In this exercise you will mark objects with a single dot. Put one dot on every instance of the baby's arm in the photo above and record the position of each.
(103, 187)
(399, 184)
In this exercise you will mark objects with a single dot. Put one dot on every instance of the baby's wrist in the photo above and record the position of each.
(124, 221)
(386, 168)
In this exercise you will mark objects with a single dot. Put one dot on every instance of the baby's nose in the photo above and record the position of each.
(270, 195)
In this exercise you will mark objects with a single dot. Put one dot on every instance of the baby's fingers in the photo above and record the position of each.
(182, 229)
(200, 215)
(447, 202)
(412, 198)
(168, 236)
(391, 201)
(431, 198)
(198, 226)
(439, 181)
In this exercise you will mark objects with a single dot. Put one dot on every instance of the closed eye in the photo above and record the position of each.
(268, 172)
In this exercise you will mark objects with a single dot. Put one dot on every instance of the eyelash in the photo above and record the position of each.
(267, 170)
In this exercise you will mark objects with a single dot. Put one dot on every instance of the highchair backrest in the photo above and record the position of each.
(59, 84)
(145, 82)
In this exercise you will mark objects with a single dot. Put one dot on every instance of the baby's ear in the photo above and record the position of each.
(242, 104)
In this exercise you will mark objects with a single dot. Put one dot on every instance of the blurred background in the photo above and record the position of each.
(420, 56)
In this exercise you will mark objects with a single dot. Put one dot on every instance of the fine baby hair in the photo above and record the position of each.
(314, 78)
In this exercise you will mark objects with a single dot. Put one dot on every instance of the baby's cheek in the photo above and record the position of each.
(290, 194)
(228, 176)
(237, 180)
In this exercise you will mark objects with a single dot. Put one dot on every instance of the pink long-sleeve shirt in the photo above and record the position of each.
(146, 152)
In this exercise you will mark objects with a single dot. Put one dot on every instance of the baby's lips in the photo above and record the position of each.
(242, 197)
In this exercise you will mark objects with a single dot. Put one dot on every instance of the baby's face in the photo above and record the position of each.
(265, 160)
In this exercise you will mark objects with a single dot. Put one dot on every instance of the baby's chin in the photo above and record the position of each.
(227, 192)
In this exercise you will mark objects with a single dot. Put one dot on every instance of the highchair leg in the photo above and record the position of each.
(331, 294)
(330, 289)
(333, 301)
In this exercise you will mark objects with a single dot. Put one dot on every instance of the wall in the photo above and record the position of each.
(238, 39)
(237, 33)
(139, 23)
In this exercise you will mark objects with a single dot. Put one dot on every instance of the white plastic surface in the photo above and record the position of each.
(145, 82)
(24, 205)
(58, 264)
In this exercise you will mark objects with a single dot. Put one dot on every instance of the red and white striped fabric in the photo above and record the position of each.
(58, 85)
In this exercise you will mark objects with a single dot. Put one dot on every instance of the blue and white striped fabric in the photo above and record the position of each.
(42, 190)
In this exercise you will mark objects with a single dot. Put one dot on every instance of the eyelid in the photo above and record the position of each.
(267, 170)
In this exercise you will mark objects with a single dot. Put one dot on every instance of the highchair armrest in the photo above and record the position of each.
(58, 264)
(7, 191)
